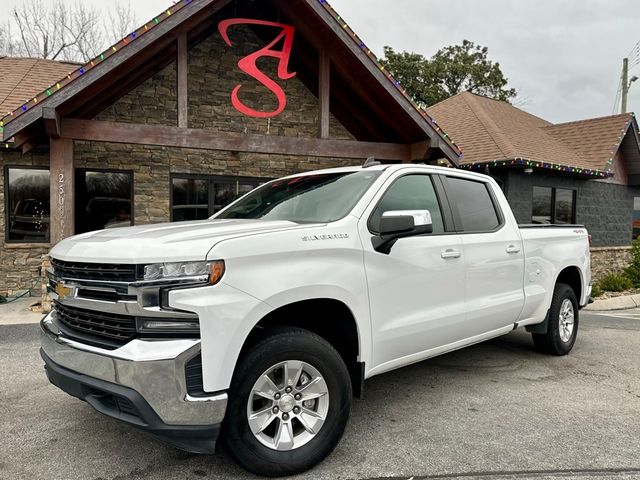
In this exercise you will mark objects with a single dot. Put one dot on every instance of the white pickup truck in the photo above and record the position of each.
(266, 320)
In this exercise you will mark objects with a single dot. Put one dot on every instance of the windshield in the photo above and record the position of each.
(320, 198)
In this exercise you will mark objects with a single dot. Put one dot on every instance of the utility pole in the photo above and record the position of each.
(625, 84)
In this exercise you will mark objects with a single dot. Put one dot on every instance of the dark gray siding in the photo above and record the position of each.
(605, 209)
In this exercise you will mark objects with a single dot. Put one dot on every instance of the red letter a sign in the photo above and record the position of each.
(249, 64)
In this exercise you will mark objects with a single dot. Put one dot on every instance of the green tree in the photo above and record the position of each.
(451, 70)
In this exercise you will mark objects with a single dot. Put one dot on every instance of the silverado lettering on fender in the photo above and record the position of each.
(268, 317)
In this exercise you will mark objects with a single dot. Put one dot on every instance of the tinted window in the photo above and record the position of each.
(103, 200)
(553, 206)
(190, 199)
(411, 192)
(475, 206)
(27, 205)
(564, 207)
(542, 205)
(315, 198)
(199, 197)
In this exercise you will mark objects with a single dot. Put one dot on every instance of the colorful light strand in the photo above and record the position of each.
(395, 82)
(524, 162)
(80, 71)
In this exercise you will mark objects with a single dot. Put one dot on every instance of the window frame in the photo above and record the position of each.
(77, 171)
(554, 190)
(6, 205)
(211, 180)
(459, 226)
(438, 187)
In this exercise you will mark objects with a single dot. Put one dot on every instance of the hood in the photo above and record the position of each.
(167, 242)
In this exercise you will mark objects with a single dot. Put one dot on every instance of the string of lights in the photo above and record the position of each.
(378, 64)
(178, 5)
(559, 167)
(73, 75)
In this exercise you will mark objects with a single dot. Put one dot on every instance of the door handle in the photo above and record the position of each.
(513, 249)
(450, 253)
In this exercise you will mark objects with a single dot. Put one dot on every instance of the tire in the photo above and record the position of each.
(558, 340)
(310, 354)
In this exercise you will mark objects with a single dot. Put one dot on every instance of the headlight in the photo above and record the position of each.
(167, 271)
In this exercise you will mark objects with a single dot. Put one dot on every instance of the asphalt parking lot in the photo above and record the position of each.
(496, 410)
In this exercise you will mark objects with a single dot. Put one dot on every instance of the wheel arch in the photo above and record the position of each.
(571, 276)
(329, 318)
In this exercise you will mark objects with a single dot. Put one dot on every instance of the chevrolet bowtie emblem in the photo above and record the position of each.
(63, 291)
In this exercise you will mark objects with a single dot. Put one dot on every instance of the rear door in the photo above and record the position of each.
(494, 255)
(417, 290)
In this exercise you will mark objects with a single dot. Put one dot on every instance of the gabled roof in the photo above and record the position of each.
(24, 78)
(596, 139)
(365, 71)
(492, 131)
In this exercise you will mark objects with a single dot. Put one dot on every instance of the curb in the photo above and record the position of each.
(615, 303)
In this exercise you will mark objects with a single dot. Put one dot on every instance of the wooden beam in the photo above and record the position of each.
(114, 132)
(421, 151)
(21, 138)
(51, 122)
(28, 146)
(183, 80)
(62, 190)
(324, 92)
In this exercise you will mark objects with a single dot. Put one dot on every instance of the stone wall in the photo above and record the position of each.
(606, 260)
(19, 263)
(605, 209)
(213, 74)
(152, 168)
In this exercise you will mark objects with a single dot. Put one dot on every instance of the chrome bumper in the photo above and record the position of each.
(153, 369)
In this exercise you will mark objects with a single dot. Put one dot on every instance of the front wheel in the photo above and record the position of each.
(562, 329)
(289, 403)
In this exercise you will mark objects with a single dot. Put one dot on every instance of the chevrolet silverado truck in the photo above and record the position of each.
(261, 324)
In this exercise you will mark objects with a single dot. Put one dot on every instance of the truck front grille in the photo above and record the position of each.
(102, 329)
(103, 272)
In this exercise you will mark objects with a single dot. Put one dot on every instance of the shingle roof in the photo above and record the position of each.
(494, 131)
(23, 78)
(596, 139)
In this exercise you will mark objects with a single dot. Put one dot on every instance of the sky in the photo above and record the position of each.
(563, 56)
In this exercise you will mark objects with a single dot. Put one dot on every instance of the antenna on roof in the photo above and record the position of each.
(371, 162)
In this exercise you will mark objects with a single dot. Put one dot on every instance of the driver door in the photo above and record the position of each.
(417, 291)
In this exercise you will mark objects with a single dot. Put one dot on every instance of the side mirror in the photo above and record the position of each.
(401, 224)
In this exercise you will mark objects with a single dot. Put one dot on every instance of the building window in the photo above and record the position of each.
(103, 200)
(27, 204)
(636, 217)
(555, 206)
(198, 197)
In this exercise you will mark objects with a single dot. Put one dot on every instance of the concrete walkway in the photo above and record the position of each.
(17, 313)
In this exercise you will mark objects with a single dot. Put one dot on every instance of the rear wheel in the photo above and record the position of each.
(288, 404)
(562, 328)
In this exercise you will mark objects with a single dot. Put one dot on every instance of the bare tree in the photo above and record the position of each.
(8, 46)
(122, 21)
(61, 30)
